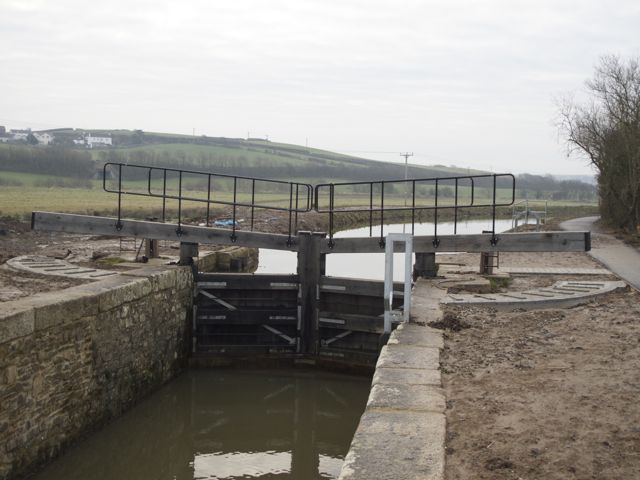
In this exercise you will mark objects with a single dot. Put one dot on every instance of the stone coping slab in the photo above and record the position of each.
(408, 356)
(26, 315)
(407, 376)
(415, 398)
(397, 445)
(401, 435)
(416, 335)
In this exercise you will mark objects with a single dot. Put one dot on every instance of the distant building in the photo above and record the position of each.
(44, 138)
(3, 130)
(17, 135)
(92, 141)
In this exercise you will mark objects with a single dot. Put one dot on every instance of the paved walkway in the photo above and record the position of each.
(59, 268)
(554, 270)
(560, 294)
(401, 434)
(618, 257)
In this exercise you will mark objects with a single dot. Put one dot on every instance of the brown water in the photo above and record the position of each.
(226, 424)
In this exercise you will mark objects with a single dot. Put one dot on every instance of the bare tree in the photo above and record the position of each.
(606, 130)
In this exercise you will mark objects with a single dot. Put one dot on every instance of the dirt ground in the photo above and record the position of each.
(544, 394)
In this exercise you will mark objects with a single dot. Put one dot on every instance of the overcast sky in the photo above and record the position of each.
(468, 83)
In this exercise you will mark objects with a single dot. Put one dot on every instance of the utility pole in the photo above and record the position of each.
(406, 156)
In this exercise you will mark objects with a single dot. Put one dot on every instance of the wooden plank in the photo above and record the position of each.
(356, 286)
(244, 281)
(309, 270)
(477, 243)
(87, 224)
(507, 242)
(354, 322)
(278, 316)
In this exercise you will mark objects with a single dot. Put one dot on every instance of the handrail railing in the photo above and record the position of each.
(456, 186)
(298, 198)
(444, 193)
(523, 209)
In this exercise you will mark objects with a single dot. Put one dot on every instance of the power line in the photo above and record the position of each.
(406, 156)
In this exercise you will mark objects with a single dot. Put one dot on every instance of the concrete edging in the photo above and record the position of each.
(401, 434)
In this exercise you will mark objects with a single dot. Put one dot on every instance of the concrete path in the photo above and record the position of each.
(621, 259)
(554, 271)
(401, 434)
(51, 266)
(560, 294)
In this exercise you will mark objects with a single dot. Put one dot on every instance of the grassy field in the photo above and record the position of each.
(27, 195)
(21, 193)
(183, 151)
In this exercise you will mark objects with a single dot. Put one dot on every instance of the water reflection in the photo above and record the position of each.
(227, 425)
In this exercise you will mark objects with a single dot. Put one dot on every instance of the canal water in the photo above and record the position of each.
(226, 424)
(370, 265)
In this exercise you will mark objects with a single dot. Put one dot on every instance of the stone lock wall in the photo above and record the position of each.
(229, 259)
(71, 360)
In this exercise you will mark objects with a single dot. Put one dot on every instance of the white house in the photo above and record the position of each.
(17, 135)
(92, 141)
(44, 138)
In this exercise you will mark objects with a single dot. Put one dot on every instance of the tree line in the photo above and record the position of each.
(58, 161)
(606, 130)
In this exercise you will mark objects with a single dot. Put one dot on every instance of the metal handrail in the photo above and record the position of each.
(303, 197)
(523, 207)
(296, 204)
(471, 202)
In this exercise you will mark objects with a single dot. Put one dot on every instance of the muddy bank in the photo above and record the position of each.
(543, 394)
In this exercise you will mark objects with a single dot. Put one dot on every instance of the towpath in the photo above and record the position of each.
(621, 259)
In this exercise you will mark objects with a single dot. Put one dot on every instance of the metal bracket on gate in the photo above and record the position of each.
(329, 341)
(275, 331)
(226, 305)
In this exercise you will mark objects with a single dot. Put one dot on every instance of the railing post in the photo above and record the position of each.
(119, 222)
(309, 272)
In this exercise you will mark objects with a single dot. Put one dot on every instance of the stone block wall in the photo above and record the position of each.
(73, 359)
(229, 259)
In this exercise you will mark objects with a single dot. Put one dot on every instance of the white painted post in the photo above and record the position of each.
(388, 277)
(408, 271)
(388, 283)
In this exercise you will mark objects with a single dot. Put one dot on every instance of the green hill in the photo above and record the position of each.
(68, 177)
(251, 157)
